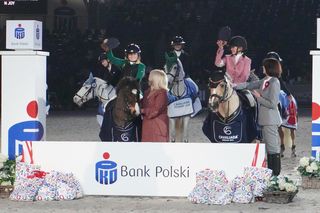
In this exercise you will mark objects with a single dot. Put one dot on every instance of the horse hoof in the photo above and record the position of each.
(186, 141)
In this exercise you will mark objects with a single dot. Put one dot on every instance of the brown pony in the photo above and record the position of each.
(121, 120)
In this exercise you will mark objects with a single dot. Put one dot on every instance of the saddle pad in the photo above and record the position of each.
(125, 134)
(180, 108)
(227, 132)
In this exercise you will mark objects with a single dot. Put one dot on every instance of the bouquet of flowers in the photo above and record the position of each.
(281, 183)
(309, 167)
(280, 190)
(7, 171)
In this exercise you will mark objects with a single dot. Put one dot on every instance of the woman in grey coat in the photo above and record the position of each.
(267, 93)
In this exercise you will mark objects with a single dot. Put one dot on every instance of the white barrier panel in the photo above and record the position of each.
(316, 103)
(318, 33)
(143, 169)
(23, 99)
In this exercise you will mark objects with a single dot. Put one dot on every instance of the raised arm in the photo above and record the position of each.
(114, 60)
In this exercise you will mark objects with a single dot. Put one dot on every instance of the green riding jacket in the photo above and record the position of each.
(124, 65)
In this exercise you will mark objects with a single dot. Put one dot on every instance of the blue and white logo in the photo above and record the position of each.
(19, 32)
(37, 33)
(106, 171)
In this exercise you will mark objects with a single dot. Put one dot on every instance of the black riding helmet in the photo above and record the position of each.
(132, 48)
(238, 41)
(177, 40)
(274, 55)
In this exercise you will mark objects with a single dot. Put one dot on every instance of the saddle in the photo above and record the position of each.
(246, 98)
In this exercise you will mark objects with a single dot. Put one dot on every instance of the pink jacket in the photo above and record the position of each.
(240, 71)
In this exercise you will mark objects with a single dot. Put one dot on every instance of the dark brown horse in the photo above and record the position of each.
(121, 120)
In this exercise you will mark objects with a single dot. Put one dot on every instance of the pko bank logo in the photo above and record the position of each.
(37, 32)
(19, 32)
(106, 171)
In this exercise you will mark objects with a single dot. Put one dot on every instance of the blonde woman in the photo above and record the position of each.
(155, 124)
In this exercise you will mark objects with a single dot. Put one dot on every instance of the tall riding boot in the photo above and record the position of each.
(282, 150)
(276, 164)
(293, 151)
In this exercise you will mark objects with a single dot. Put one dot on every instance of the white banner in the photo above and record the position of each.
(143, 169)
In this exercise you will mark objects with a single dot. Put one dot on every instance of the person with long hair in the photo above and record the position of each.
(131, 65)
(155, 124)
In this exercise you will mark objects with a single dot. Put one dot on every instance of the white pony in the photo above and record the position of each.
(182, 98)
(95, 87)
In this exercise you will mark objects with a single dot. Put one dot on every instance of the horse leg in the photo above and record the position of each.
(184, 128)
(281, 134)
(172, 129)
(178, 130)
(293, 148)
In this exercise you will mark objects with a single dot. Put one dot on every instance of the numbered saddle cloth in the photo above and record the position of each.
(128, 133)
(180, 107)
(109, 131)
(233, 131)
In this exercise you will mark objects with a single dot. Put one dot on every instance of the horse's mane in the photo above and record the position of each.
(127, 83)
(124, 89)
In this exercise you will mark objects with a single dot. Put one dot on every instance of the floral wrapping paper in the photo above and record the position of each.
(50, 186)
(260, 176)
(59, 186)
(243, 189)
(25, 187)
(212, 187)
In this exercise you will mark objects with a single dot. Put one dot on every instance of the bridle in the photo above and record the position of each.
(127, 105)
(90, 90)
(175, 79)
(224, 97)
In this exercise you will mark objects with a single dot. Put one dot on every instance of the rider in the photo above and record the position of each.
(107, 71)
(131, 65)
(237, 64)
(177, 44)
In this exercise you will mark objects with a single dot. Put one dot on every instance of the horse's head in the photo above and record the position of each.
(220, 89)
(173, 69)
(127, 101)
(86, 92)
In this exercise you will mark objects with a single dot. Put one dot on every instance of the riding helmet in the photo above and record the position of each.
(177, 40)
(238, 41)
(274, 55)
(132, 48)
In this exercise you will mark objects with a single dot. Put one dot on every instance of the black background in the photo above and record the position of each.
(24, 7)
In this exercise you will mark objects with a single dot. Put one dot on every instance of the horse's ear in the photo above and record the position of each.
(90, 77)
(227, 77)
